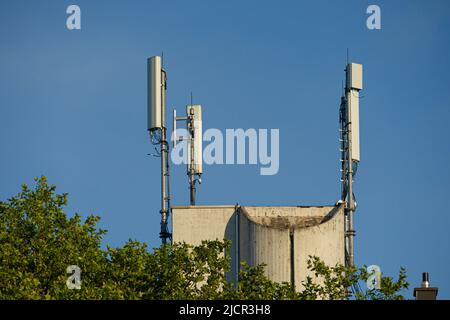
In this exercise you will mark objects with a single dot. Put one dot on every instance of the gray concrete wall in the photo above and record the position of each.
(280, 237)
(259, 244)
(192, 224)
(325, 240)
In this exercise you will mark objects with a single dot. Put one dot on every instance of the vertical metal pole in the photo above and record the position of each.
(350, 206)
(164, 234)
(343, 137)
(343, 116)
(192, 187)
(191, 169)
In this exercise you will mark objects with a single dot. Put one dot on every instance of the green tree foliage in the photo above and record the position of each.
(333, 283)
(38, 241)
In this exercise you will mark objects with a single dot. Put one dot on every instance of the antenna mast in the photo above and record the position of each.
(193, 120)
(156, 94)
(350, 152)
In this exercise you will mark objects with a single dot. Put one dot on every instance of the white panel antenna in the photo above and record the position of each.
(354, 76)
(194, 113)
(353, 108)
(194, 141)
(154, 93)
(354, 85)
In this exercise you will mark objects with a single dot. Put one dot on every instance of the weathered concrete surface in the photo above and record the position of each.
(259, 244)
(325, 240)
(192, 224)
(280, 237)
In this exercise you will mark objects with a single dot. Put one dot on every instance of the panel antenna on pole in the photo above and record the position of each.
(194, 140)
(350, 150)
(156, 125)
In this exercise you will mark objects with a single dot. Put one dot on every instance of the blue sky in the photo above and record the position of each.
(73, 108)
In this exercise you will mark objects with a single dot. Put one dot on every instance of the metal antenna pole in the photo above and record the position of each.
(191, 169)
(350, 233)
(193, 125)
(343, 146)
(156, 104)
(192, 186)
(349, 142)
(350, 204)
(165, 197)
(344, 169)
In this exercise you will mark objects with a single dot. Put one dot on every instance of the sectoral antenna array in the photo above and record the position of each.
(156, 125)
(350, 150)
(193, 120)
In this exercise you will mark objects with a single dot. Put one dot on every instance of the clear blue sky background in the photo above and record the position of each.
(73, 108)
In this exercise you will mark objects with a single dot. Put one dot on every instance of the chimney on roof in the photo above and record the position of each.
(425, 292)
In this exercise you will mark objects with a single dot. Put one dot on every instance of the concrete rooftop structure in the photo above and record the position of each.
(281, 237)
